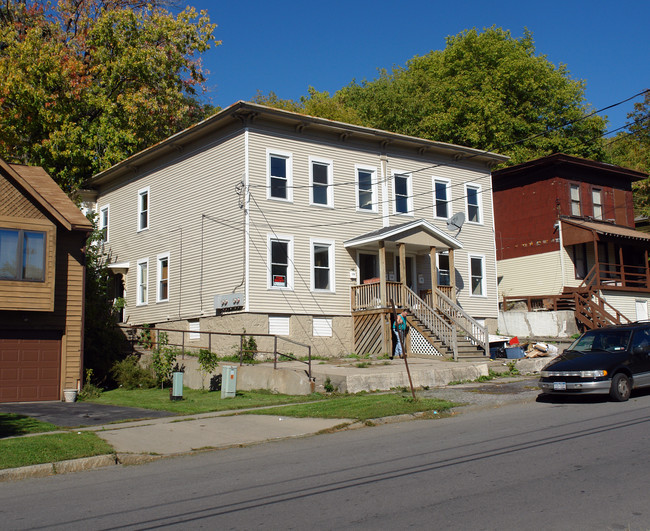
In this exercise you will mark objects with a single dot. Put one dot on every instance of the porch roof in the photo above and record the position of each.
(583, 231)
(418, 234)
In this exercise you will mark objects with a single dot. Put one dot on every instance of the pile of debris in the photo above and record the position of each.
(541, 350)
(503, 347)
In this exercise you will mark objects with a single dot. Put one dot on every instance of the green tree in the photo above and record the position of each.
(631, 149)
(486, 90)
(83, 85)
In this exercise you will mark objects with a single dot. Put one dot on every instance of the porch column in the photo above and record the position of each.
(452, 275)
(647, 270)
(597, 260)
(402, 264)
(434, 275)
(382, 273)
(622, 264)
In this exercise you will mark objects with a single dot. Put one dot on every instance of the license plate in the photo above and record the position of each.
(559, 386)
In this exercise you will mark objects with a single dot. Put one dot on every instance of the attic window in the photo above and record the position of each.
(22, 255)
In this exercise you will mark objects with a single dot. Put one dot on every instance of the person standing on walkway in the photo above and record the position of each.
(400, 328)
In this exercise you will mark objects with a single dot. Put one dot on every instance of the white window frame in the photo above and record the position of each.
(373, 188)
(142, 192)
(330, 244)
(438, 269)
(597, 193)
(289, 275)
(194, 326)
(479, 200)
(409, 193)
(575, 202)
(289, 177)
(330, 181)
(140, 299)
(280, 325)
(160, 258)
(448, 202)
(481, 257)
(321, 327)
(104, 223)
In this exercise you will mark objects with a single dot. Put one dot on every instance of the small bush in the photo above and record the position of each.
(130, 375)
(328, 385)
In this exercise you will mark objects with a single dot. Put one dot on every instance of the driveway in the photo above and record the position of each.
(77, 414)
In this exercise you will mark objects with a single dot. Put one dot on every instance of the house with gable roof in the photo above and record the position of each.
(273, 222)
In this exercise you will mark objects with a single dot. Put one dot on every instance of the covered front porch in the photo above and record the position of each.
(409, 266)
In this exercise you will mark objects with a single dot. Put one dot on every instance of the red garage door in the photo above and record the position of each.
(30, 366)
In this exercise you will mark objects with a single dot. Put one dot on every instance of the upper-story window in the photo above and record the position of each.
(441, 198)
(403, 193)
(281, 260)
(279, 176)
(597, 199)
(103, 222)
(366, 189)
(143, 282)
(143, 209)
(22, 255)
(575, 200)
(162, 294)
(320, 178)
(473, 203)
(443, 269)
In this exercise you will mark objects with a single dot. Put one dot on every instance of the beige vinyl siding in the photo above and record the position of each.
(539, 274)
(625, 302)
(303, 221)
(194, 216)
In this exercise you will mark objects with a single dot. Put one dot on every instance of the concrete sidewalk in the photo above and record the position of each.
(145, 440)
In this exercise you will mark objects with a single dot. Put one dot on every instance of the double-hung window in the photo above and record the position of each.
(597, 200)
(473, 203)
(22, 255)
(279, 180)
(443, 269)
(320, 177)
(143, 282)
(162, 293)
(366, 189)
(103, 222)
(477, 275)
(143, 209)
(281, 262)
(576, 210)
(441, 198)
(402, 193)
(322, 259)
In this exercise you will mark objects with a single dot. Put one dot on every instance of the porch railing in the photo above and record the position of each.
(474, 331)
(618, 277)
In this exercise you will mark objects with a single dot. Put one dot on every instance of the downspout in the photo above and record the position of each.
(562, 253)
(384, 189)
(247, 221)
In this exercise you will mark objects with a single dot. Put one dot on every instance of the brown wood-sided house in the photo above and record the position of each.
(566, 239)
(42, 239)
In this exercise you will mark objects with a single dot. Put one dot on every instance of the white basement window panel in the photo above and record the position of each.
(195, 327)
(279, 325)
(322, 327)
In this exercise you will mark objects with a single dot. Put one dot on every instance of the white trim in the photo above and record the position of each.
(146, 190)
(448, 200)
(409, 193)
(481, 257)
(331, 248)
(289, 276)
(247, 220)
(330, 181)
(102, 226)
(445, 239)
(160, 257)
(289, 177)
(479, 199)
(279, 325)
(142, 301)
(373, 187)
(321, 327)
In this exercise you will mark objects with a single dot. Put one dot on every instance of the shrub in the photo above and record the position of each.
(89, 390)
(129, 374)
(249, 349)
(208, 362)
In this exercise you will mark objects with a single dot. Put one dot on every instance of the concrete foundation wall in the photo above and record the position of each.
(537, 324)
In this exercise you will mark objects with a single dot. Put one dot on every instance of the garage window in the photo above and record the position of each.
(22, 255)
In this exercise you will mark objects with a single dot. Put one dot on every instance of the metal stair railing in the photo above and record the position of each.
(475, 332)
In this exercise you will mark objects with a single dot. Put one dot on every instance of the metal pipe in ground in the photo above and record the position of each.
(406, 363)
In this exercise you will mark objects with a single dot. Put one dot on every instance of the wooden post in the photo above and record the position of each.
(402, 273)
(434, 276)
(382, 274)
(406, 363)
(452, 275)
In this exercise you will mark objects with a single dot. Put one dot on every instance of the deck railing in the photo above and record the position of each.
(618, 277)
(474, 331)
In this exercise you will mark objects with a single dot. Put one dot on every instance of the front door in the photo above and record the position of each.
(368, 267)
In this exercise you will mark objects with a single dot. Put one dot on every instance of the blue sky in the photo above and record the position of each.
(285, 46)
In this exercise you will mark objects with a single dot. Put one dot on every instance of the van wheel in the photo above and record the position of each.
(621, 388)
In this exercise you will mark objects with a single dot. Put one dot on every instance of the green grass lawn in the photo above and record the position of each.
(12, 425)
(196, 400)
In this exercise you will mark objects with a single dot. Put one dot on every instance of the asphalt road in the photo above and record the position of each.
(576, 464)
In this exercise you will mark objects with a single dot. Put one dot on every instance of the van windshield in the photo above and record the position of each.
(609, 340)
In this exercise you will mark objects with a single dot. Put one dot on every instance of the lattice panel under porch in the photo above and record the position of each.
(419, 345)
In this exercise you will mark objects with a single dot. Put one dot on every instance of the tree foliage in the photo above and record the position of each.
(486, 90)
(631, 149)
(83, 85)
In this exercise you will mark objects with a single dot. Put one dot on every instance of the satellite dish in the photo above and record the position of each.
(455, 222)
